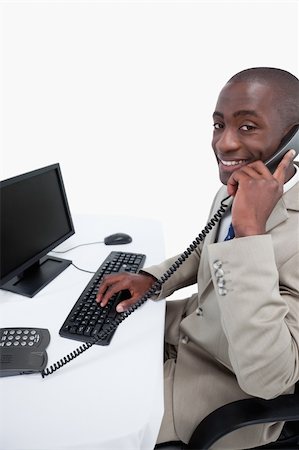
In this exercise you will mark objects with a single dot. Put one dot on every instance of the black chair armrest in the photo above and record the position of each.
(241, 413)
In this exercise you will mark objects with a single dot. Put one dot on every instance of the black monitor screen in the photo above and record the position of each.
(35, 218)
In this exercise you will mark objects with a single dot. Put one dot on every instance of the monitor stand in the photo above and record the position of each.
(37, 276)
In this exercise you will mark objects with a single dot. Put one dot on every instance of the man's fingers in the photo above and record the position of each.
(257, 170)
(125, 304)
(110, 286)
(135, 284)
(234, 180)
(280, 172)
(110, 291)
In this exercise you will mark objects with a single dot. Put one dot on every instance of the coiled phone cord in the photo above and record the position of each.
(155, 287)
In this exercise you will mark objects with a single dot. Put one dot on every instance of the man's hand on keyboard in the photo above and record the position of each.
(137, 284)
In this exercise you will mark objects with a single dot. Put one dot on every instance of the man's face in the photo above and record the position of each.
(247, 126)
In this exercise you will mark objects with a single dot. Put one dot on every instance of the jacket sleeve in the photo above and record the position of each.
(182, 277)
(259, 306)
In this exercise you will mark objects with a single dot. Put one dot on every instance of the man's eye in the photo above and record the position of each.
(217, 126)
(248, 127)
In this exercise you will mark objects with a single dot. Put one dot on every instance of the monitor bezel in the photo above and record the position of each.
(34, 259)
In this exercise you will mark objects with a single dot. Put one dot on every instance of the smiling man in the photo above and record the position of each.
(238, 336)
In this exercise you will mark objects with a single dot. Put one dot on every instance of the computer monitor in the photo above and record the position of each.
(35, 218)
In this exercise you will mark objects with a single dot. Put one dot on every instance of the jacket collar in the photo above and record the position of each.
(289, 201)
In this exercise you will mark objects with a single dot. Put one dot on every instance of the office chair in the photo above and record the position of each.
(246, 412)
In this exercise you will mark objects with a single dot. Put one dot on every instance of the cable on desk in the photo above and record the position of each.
(82, 270)
(76, 246)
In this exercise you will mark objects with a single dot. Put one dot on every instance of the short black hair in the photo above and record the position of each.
(285, 86)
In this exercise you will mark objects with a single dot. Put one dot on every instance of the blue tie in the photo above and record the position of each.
(230, 234)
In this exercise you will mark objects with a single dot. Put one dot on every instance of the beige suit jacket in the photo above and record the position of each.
(239, 336)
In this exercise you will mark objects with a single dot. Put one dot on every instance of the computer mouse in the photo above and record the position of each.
(117, 238)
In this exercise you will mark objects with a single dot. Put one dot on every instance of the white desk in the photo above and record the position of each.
(109, 397)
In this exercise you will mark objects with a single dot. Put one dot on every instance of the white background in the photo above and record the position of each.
(121, 94)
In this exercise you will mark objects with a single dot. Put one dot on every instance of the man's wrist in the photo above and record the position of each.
(149, 275)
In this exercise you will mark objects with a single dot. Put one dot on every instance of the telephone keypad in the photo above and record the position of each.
(19, 337)
(22, 350)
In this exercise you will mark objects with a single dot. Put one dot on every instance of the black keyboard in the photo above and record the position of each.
(87, 318)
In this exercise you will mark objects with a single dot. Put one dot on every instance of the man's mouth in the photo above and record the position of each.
(233, 162)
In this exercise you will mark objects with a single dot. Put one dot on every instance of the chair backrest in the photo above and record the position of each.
(291, 429)
(251, 411)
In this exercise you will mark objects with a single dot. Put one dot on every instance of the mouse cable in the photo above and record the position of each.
(82, 270)
(73, 248)
(76, 246)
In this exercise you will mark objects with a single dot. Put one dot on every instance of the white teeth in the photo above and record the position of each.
(233, 163)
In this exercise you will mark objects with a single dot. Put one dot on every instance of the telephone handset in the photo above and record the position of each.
(291, 140)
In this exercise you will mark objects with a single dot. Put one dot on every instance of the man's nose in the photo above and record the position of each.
(228, 141)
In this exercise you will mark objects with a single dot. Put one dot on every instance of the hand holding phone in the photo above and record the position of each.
(291, 141)
(256, 191)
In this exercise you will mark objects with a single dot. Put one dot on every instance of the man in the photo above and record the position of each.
(239, 335)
